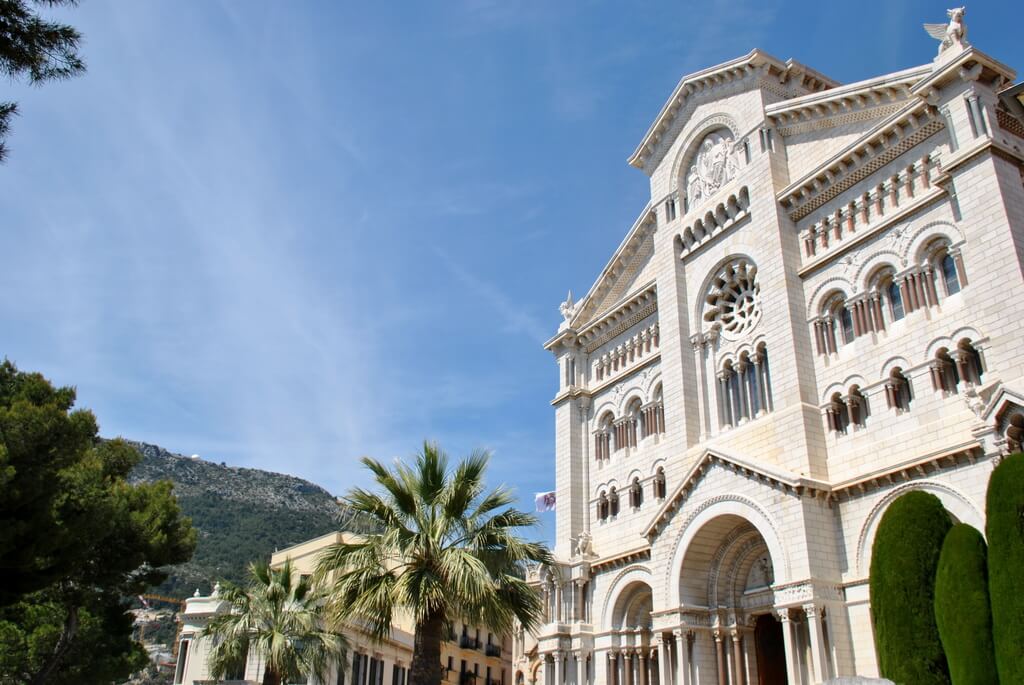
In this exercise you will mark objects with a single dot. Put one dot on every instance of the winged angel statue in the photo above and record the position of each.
(953, 34)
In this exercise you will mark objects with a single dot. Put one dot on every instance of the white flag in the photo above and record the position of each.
(544, 501)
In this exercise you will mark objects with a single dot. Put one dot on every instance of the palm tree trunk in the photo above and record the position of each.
(426, 651)
(270, 677)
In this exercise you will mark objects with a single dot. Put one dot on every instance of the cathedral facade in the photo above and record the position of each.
(819, 309)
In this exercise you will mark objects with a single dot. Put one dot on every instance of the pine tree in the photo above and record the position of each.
(34, 49)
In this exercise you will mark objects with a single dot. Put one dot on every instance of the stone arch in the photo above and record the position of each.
(917, 240)
(627, 578)
(825, 291)
(628, 397)
(742, 509)
(692, 140)
(893, 362)
(875, 265)
(653, 383)
(959, 505)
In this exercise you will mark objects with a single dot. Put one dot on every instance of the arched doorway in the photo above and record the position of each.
(727, 572)
(635, 660)
(771, 651)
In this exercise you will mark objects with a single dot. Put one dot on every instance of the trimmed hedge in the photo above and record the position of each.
(904, 558)
(1004, 513)
(962, 609)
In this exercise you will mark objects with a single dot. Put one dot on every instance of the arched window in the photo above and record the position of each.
(856, 406)
(636, 494)
(603, 437)
(944, 372)
(613, 502)
(744, 388)
(895, 298)
(838, 418)
(949, 274)
(602, 507)
(659, 484)
(968, 362)
(633, 418)
(897, 390)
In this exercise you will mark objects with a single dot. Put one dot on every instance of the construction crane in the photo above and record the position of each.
(164, 599)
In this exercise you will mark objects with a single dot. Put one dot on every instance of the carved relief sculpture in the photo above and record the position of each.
(714, 165)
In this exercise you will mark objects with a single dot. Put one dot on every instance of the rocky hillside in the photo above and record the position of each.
(241, 514)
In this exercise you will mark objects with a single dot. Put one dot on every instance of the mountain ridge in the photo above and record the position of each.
(241, 514)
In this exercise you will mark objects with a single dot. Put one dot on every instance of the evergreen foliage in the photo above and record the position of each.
(904, 559)
(35, 49)
(76, 537)
(439, 546)
(279, 617)
(1004, 511)
(962, 609)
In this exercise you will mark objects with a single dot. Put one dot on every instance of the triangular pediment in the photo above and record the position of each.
(741, 468)
(624, 273)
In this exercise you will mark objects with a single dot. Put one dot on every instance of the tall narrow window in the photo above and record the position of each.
(846, 323)
(659, 484)
(895, 301)
(613, 503)
(949, 275)
(636, 494)
(897, 390)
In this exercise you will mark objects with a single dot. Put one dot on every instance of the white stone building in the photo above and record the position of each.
(472, 654)
(819, 309)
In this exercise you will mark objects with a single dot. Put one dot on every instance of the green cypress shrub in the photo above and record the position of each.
(962, 609)
(904, 557)
(1004, 514)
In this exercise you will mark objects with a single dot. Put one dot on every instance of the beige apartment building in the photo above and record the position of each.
(473, 655)
(820, 308)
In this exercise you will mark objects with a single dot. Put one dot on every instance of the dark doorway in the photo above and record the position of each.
(771, 651)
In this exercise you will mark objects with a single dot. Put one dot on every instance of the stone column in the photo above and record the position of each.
(720, 658)
(579, 676)
(558, 602)
(737, 657)
(663, 662)
(642, 666)
(819, 652)
(682, 657)
(559, 677)
(789, 639)
(627, 669)
(697, 340)
(724, 409)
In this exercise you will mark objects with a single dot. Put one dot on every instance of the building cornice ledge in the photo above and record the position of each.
(700, 81)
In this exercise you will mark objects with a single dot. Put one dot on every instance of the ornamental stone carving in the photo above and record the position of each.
(714, 165)
(734, 299)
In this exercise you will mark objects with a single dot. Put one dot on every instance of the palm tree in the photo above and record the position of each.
(282, 620)
(438, 547)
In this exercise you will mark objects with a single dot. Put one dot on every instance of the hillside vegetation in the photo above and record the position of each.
(241, 515)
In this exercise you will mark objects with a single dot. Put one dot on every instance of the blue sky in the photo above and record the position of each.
(285, 235)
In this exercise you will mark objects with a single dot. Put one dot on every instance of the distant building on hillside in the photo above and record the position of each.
(473, 655)
(820, 308)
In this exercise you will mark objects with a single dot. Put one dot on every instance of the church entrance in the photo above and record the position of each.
(771, 651)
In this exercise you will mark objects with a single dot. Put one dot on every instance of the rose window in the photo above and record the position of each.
(734, 300)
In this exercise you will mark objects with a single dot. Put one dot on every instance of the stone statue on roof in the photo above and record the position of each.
(953, 34)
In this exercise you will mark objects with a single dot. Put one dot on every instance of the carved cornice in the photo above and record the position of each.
(869, 153)
(871, 99)
(632, 310)
(611, 563)
(792, 484)
(755, 66)
(616, 269)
